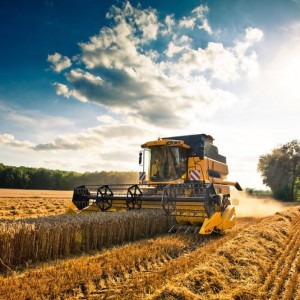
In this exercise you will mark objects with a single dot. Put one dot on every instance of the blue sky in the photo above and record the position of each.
(84, 83)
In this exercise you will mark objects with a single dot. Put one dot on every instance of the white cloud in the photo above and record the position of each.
(200, 12)
(187, 22)
(143, 22)
(63, 90)
(161, 92)
(92, 138)
(215, 61)
(110, 146)
(59, 62)
(170, 22)
(128, 80)
(222, 62)
(106, 119)
(148, 23)
(9, 139)
(111, 48)
(254, 35)
(173, 49)
(6, 138)
(197, 17)
(178, 44)
(205, 26)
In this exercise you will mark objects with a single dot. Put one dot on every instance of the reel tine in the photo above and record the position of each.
(196, 229)
(187, 230)
(171, 229)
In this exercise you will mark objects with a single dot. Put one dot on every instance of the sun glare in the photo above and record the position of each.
(284, 75)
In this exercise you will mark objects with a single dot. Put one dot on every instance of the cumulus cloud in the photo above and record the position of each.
(187, 22)
(9, 139)
(63, 90)
(224, 63)
(92, 138)
(59, 62)
(169, 22)
(173, 49)
(200, 13)
(122, 70)
(82, 140)
(143, 22)
(248, 61)
(197, 18)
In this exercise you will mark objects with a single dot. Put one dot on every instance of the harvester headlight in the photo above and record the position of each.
(173, 143)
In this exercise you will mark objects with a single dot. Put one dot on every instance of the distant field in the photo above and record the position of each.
(17, 203)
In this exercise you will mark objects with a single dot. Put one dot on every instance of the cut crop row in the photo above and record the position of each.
(103, 273)
(127, 272)
(242, 268)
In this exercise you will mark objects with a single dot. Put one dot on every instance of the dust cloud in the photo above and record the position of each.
(249, 206)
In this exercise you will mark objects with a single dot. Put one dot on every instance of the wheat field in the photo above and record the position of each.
(129, 255)
(17, 203)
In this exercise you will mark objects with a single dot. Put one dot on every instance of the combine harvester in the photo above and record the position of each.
(184, 175)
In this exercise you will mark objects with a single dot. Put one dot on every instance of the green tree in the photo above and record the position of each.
(281, 171)
(41, 178)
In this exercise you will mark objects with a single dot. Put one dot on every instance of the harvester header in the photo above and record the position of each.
(184, 175)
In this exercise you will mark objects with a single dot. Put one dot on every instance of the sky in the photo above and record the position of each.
(84, 83)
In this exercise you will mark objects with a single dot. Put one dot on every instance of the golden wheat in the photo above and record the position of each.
(16, 204)
(127, 272)
(31, 240)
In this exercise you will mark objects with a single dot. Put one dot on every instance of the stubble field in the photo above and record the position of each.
(128, 255)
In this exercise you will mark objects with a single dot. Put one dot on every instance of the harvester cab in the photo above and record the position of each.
(184, 175)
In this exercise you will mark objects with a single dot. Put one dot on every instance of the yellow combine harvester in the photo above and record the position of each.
(184, 175)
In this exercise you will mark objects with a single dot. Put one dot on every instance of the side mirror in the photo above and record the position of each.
(140, 157)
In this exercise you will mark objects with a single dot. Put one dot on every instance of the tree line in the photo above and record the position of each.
(280, 171)
(46, 179)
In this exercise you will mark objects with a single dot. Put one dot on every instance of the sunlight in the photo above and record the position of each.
(288, 71)
(284, 74)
